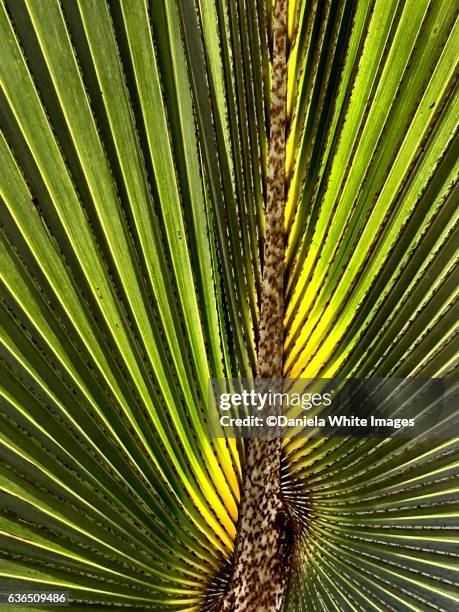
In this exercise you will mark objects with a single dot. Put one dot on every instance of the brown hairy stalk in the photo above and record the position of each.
(263, 545)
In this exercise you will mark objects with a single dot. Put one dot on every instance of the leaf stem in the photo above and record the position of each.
(263, 543)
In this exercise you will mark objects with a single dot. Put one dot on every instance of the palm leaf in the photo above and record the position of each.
(133, 181)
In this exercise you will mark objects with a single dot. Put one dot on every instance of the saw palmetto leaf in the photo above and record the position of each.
(133, 165)
(372, 292)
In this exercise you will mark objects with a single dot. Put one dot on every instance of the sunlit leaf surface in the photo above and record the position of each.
(133, 174)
